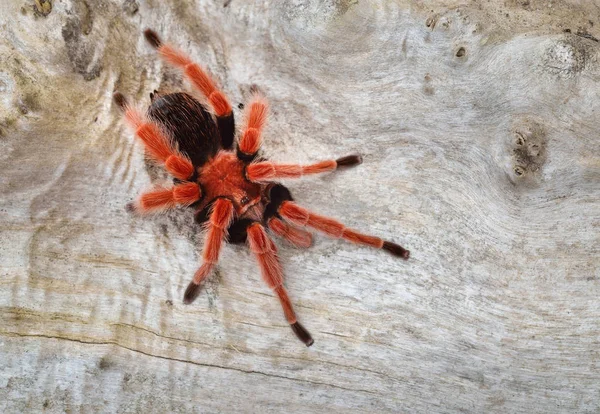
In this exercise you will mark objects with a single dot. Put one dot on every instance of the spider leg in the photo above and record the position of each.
(220, 218)
(237, 232)
(265, 170)
(277, 194)
(157, 144)
(266, 255)
(162, 199)
(293, 234)
(203, 82)
(335, 229)
(255, 119)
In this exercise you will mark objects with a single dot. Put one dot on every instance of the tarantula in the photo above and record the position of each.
(231, 190)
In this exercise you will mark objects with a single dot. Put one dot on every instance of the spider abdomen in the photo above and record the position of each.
(188, 124)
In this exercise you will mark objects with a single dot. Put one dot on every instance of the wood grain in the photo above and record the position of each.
(478, 124)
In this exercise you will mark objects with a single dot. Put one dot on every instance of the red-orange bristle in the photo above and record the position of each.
(250, 142)
(331, 227)
(186, 193)
(260, 171)
(359, 238)
(157, 200)
(222, 213)
(212, 246)
(294, 212)
(154, 142)
(179, 167)
(200, 79)
(319, 167)
(257, 239)
(220, 103)
(257, 114)
(286, 304)
(174, 56)
(294, 235)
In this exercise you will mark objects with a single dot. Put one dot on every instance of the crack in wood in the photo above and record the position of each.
(251, 353)
(185, 361)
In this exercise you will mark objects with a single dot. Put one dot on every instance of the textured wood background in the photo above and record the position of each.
(478, 123)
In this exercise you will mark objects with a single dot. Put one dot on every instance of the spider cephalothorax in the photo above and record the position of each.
(232, 191)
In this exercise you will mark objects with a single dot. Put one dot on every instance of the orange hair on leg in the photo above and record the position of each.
(220, 103)
(293, 234)
(256, 113)
(358, 238)
(179, 167)
(156, 144)
(266, 255)
(165, 198)
(294, 213)
(319, 167)
(156, 201)
(201, 80)
(220, 218)
(194, 72)
(266, 170)
(186, 193)
(255, 119)
(335, 229)
(286, 304)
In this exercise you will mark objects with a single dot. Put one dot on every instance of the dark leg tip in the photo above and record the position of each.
(191, 293)
(152, 38)
(396, 250)
(130, 207)
(302, 334)
(349, 161)
(120, 100)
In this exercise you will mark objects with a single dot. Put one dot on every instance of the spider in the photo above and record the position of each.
(233, 190)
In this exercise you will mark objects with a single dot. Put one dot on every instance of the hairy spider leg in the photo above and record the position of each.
(194, 72)
(161, 199)
(157, 145)
(293, 234)
(220, 219)
(266, 254)
(255, 119)
(202, 81)
(335, 229)
(265, 170)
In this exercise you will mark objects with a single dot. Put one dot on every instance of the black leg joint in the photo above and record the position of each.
(277, 195)
(247, 158)
(226, 126)
(203, 215)
(193, 178)
(238, 231)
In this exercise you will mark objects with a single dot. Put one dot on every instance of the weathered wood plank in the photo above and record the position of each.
(478, 126)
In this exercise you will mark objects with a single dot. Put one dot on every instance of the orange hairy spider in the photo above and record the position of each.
(232, 190)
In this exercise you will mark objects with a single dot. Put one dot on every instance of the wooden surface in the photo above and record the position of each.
(479, 127)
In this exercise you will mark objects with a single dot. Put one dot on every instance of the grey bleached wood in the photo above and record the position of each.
(478, 124)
